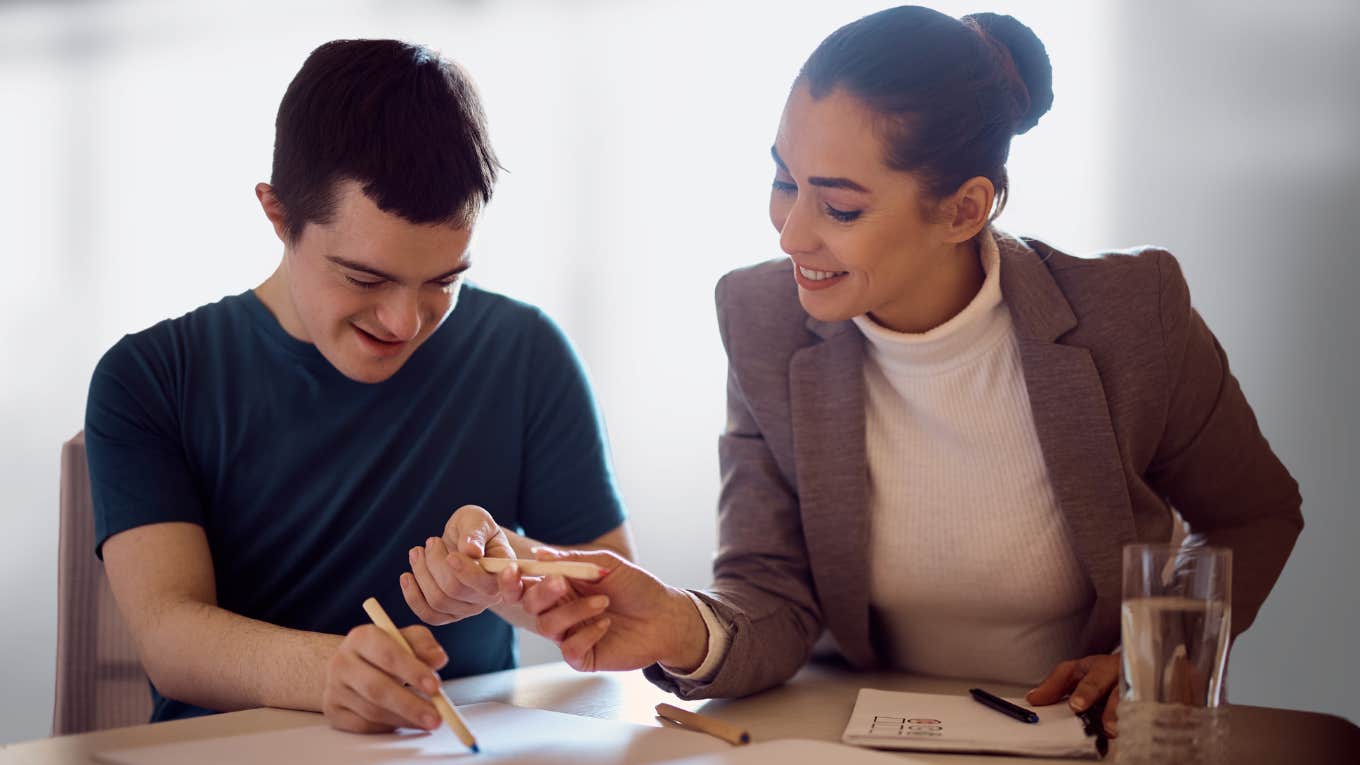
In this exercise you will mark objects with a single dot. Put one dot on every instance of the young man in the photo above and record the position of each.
(263, 464)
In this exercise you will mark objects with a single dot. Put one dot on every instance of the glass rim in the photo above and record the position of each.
(1178, 549)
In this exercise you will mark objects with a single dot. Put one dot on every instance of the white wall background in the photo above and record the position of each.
(637, 136)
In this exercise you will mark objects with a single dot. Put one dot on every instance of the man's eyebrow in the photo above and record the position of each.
(339, 261)
(817, 180)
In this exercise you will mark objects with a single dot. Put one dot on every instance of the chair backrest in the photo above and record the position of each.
(100, 681)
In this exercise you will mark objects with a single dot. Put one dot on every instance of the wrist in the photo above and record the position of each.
(687, 645)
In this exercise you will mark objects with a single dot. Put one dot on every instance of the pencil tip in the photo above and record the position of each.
(476, 749)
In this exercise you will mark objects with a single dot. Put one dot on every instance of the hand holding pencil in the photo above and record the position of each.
(366, 689)
(447, 712)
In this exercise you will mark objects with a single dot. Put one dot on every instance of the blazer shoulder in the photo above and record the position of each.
(758, 307)
(1141, 282)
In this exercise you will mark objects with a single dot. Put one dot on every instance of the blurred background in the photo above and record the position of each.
(636, 135)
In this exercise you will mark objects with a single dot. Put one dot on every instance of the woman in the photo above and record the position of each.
(940, 436)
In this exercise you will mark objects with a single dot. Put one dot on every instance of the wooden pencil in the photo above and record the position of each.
(704, 724)
(530, 567)
(441, 702)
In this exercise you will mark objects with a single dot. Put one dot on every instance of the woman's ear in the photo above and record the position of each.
(968, 209)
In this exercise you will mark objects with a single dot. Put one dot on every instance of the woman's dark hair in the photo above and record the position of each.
(398, 119)
(951, 92)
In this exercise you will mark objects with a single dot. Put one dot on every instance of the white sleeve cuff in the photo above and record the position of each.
(718, 640)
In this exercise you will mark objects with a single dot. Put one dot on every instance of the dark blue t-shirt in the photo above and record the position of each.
(312, 487)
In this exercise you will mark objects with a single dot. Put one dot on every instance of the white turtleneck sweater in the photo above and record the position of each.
(971, 571)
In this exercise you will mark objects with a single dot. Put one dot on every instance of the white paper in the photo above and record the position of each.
(793, 751)
(941, 723)
(505, 734)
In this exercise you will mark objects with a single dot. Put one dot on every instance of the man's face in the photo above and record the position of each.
(369, 287)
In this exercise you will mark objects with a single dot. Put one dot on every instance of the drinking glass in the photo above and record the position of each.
(1176, 623)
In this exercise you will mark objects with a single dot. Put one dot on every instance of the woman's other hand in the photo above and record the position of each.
(1087, 680)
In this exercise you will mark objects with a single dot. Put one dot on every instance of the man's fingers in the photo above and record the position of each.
(510, 587)
(578, 650)
(377, 693)
(544, 595)
(498, 546)
(387, 657)
(456, 603)
(459, 576)
(554, 623)
(377, 716)
(426, 647)
(429, 588)
(1056, 685)
(416, 600)
(346, 719)
(468, 529)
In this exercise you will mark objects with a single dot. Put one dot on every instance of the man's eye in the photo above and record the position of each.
(361, 283)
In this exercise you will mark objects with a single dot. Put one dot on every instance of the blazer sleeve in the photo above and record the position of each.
(762, 589)
(1213, 464)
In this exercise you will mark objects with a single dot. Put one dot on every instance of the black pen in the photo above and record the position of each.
(1092, 721)
(1003, 706)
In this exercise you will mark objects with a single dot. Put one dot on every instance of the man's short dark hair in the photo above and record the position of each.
(397, 118)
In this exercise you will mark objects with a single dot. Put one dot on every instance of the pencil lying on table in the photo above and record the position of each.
(441, 702)
(527, 566)
(704, 724)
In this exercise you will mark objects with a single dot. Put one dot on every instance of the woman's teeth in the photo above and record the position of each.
(817, 276)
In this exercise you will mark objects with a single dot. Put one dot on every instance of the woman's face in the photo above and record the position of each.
(857, 230)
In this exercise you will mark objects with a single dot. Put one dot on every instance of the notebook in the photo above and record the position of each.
(944, 723)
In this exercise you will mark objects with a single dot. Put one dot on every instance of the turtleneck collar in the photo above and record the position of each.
(968, 333)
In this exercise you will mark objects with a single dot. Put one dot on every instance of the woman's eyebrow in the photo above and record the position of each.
(817, 180)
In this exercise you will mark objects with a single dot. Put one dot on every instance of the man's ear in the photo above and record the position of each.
(273, 209)
(969, 209)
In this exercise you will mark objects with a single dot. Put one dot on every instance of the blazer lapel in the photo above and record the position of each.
(1072, 420)
(826, 399)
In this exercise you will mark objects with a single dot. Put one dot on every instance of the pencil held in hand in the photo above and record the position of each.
(530, 567)
(441, 702)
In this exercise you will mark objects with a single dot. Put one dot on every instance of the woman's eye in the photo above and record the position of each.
(784, 187)
(844, 216)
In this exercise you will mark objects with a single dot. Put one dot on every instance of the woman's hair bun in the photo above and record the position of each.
(1031, 62)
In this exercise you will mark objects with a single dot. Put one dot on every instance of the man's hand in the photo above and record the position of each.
(1088, 680)
(365, 679)
(445, 583)
(646, 621)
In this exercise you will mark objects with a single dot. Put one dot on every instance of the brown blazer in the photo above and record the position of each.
(1135, 409)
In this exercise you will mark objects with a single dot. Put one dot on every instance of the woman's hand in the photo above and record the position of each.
(646, 621)
(1088, 680)
(446, 583)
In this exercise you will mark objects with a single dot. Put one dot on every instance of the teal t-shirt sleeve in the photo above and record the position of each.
(569, 494)
(139, 472)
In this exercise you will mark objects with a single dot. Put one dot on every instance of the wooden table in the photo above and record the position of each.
(814, 705)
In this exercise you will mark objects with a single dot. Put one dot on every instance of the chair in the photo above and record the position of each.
(100, 681)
